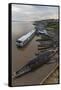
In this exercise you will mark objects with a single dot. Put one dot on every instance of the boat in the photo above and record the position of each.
(22, 41)
(34, 63)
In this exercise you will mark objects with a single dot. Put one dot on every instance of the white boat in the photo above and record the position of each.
(25, 39)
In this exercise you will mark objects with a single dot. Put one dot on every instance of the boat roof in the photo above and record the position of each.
(23, 38)
(43, 32)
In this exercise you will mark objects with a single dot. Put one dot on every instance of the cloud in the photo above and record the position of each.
(32, 13)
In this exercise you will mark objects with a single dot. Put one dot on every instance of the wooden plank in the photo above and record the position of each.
(49, 74)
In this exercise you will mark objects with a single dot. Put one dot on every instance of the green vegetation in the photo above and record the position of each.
(45, 37)
(53, 25)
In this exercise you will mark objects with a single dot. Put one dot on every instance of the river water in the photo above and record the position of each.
(20, 56)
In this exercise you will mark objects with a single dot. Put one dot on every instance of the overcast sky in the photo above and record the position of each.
(33, 13)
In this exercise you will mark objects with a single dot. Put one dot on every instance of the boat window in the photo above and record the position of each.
(18, 41)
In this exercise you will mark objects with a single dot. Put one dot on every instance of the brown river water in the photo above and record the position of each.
(20, 56)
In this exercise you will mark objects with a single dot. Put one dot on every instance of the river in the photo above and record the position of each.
(20, 56)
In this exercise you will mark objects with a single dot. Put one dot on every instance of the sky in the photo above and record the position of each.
(33, 13)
